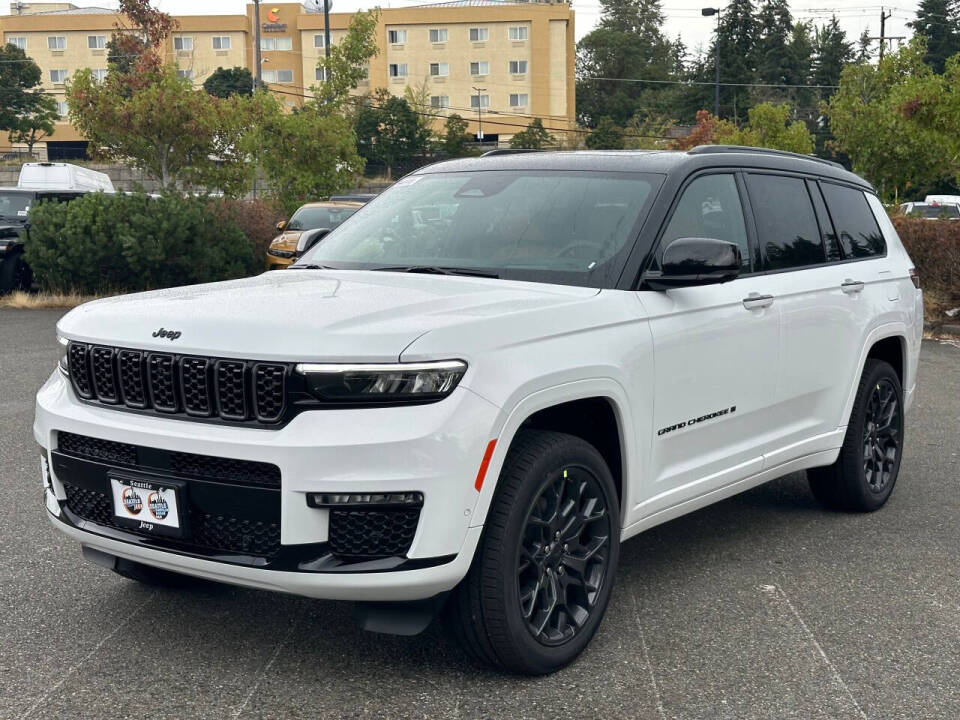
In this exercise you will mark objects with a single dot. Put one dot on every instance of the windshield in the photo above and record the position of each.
(568, 227)
(311, 218)
(14, 206)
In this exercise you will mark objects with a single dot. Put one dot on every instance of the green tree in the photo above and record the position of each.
(769, 126)
(455, 137)
(776, 32)
(938, 22)
(800, 65)
(347, 65)
(605, 136)
(19, 86)
(627, 44)
(737, 40)
(224, 82)
(34, 126)
(179, 136)
(897, 121)
(136, 51)
(831, 52)
(535, 137)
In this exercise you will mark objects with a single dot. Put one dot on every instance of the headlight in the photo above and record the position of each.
(63, 362)
(386, 383)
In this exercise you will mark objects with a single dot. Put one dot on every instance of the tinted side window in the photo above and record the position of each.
(826, 227)
(710, 208)
(786, 225)
(859, 233)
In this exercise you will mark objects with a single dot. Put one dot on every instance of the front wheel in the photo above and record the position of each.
(542, 576)
(866, 470)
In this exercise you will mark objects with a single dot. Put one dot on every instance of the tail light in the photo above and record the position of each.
(915, 278)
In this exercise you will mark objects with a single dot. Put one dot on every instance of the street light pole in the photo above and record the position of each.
(479, 114)
(707, 12)
(257, 76)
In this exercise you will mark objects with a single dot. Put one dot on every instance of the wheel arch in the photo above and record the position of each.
(888, 343)
(589, 409)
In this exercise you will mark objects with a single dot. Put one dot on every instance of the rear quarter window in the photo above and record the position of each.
(855, 225)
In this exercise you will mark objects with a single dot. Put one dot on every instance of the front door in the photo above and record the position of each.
(716, 352)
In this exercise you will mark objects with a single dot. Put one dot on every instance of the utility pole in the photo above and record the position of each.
(257, 77)
(707, 12)
(326, 31)
(479, 114)
(884, 16)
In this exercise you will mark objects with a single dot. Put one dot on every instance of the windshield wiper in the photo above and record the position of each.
(310, 266)
(437, 270)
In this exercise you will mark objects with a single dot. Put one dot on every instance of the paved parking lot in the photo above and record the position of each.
(763, 606)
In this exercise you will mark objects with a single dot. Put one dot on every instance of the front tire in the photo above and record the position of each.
(541, 580)
(866, 470)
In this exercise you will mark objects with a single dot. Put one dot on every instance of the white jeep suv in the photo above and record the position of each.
(491, 376)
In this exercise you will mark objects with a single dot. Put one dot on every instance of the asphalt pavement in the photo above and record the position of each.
(762, 606)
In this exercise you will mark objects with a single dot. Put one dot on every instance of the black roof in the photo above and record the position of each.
(654, 161)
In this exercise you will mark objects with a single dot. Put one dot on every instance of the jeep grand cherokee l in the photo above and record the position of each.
(503, 367)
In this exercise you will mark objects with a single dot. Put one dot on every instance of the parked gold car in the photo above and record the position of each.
(285, 248)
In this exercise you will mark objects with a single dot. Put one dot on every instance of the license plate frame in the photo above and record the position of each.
(164, 518)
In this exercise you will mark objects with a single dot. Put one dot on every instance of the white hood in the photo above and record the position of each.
(294, 315)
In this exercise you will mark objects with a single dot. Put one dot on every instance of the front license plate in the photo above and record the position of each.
(147, 505)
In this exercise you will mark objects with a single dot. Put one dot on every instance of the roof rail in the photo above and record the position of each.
(717, 149)
(509, 151)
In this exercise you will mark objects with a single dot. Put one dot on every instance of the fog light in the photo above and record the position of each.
(379, 500)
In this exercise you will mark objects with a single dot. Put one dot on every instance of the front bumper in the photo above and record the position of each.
(434, 449)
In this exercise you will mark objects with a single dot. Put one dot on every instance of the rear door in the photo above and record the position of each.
(826, 302)
(715, 358)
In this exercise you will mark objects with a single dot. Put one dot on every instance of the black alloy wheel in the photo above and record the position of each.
(562, 558)
(881, 436)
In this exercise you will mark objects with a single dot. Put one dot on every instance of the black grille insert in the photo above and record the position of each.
(199, 387)
(372, 533)
(96, 449)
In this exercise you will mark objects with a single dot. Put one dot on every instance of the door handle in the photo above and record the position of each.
(756, 301)
(851, 287)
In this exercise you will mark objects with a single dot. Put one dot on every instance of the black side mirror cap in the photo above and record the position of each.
(692, 261)
(309, 238)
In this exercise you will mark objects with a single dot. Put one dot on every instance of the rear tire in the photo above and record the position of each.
(866, 470)
(542, 576)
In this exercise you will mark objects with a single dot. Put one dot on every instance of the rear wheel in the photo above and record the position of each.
(542, 576)
(866, 470)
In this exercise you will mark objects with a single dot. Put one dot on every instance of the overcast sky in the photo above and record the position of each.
(683, 16)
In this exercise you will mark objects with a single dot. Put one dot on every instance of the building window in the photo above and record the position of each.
(19, 41)
(99, 74)
(518, 99)
(185, 74)
(479, 34)
(62, 108)
(438, 35)
(96, 42)
(58, 77)
(479, 101)
(182, 42)
(277, 76)
(397, 37)
(439, 69)
(440, 101)
(321, 74)
(519, 32)
(221, 42)
(319, 41)
(56, 42)
(276, 43)
(479, 68)
(398, 69)
(518, 67)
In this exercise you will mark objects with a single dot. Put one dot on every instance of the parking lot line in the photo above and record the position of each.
(273, 658)
(777, 593)
(646, 656)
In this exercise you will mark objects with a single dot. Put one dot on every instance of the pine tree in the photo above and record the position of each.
(939, 22)
(831, 51)
(864, 52)
(737, 41)
(776, 31)
(800, 54)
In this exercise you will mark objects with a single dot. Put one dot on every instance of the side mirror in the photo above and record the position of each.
(281, 225)
(310, 238)
(691, 261)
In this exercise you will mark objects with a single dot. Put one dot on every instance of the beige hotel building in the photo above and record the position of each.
(521, 55)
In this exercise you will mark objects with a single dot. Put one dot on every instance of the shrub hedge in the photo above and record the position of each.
(934, 247)
(102, 242)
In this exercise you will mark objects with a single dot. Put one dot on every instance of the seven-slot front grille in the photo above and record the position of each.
(202, 387)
